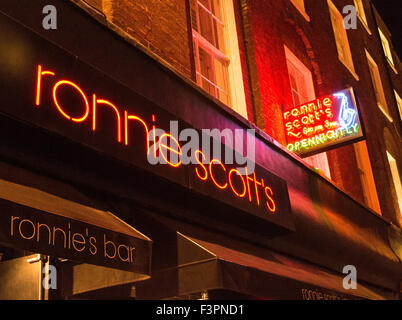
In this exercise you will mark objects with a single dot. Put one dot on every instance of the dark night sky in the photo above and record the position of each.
(391, 10)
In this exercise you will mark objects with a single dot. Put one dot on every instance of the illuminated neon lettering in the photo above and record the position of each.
(295, 135)
(40, 73)
(95, 102)
(304, 109)
(256, 184)
(72, 84)
(327, 102)
(240, 195)
(305, 120)
(312, 106)
(239, 188)
(205, 177)
(320, 139)
(312, 141)
(212, 175)
(154, 134)
(128, 117)
(295, 112)
(163, 146)
(331, 134)
(271, 202)
(347, 116)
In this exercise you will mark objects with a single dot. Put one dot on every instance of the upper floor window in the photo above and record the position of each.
(299, 4)
(361, 13)
(399, 102)
(216, 52)
(396, 178)
(341, 39)
(302, 87)
(387, 49)
(377, 86)
(366, 176)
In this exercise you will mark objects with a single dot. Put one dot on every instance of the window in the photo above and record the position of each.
(302, 87)
(377, 85)
(396, 178)
(341, 39)
(387, 49)
(366, 176)
(361, 14)
(299, 4)
(216, 52)
(399, 102)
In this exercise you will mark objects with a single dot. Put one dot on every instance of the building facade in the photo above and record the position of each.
(236, 65)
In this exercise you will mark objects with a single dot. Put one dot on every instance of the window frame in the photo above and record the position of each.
(387, 50)
(320, 160)
(377, 86)
(341, 39)
(396, 178)
(201, 42)
(361, 14)
(300, 6)
(366, 176)
(231, 56)
(398, 102)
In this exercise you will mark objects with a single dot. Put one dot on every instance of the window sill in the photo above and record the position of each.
(350, 68)
(303, 13)
(385, 113)
(365, 25)
(392, 65)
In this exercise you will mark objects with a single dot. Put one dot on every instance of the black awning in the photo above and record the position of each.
(205, 266)
(40, 222)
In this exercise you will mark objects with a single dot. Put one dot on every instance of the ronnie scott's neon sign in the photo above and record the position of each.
(224, 178)
(322, 124)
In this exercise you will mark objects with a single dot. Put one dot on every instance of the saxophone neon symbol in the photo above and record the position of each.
(347, 116)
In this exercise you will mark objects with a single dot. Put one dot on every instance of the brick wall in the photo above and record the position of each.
(278, 23)
(159, 25)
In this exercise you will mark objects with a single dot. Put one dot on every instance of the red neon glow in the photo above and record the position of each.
(256, 184)
(240, 195)
(40, 73)
(247, 190)
(135, 118)
(163, 146)
(205, 176)
(169, 146)
(95, 102)
(72, 84)
(309, 119)
(154, 134)
(212, 175)
(248, 186)
(321, 122)
(270, 203)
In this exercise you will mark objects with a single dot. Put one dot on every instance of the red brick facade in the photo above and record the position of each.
(160, 26)
(263, 28)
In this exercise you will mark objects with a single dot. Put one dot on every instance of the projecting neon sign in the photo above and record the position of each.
(322, 124)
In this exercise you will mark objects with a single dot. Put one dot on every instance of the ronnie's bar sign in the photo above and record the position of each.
(39, 222)
(323, 124)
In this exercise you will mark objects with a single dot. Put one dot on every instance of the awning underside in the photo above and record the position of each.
(219, 267)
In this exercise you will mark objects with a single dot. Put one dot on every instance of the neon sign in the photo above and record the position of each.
(257, 191)
(322, 124)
